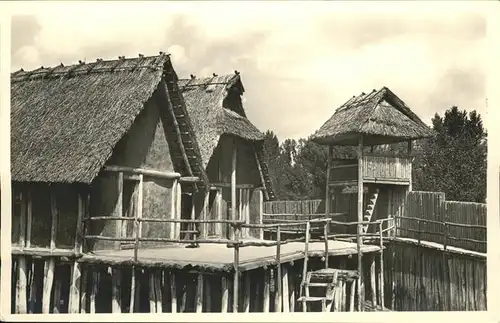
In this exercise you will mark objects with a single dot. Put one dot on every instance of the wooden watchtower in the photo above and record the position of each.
(368, 120)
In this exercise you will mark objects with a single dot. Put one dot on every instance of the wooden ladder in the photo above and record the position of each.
(370, 208)
(334, 283)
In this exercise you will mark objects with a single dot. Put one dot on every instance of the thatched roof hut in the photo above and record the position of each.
(380, 116)
(215, 107)
(66, 120)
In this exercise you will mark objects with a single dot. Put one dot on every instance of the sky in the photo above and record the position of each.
(299, 61)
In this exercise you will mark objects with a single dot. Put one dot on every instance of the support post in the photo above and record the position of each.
(33, 289)
(199, 294)
(178, 210)
(233, 187)
(205, 211)
(173, 205)
(173, 292)
(54, 215)
(410, 187)
(327, 189)
(83, 294)
(292, 288)
(267, 291)
(57, 294)
(21, 287)
(246, 294)
(225, 294)
(278, 299)
(261, 214)
(284, 284)
(138, 217)
(218, 226)
(118, 211)
(158, 293)
(132, 291)
(381, 269)
(95, 289)
(116, 290)
(236, 268)
(359, 240)
(373, 284)
(48, 281)
(152, 298)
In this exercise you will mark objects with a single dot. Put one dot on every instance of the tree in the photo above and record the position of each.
(454, 160)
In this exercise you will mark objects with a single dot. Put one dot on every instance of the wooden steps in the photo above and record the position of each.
(370, 208)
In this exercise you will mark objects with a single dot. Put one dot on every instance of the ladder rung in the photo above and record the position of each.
(317, 284)
(312, 299)
(189, 231)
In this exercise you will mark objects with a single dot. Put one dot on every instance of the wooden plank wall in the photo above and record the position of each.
(433, 206)
(425, 279)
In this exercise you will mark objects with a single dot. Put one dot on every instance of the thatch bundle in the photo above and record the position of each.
(66, 120)
(380, 116)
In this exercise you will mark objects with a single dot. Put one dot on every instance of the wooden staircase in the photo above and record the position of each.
(370, 208)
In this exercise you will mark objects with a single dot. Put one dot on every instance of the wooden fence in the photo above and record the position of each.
(451, 223)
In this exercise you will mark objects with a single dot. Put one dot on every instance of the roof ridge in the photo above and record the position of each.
(98, 66)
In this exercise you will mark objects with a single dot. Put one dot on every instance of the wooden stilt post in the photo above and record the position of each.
(95, 289)
(173, 292)
(83, 294)
(208, 296)
(373, 281)
(21, 287)
(199, 294)
(57, 294)
(182, 308)
(33, 290)
(381, 269)
(351, 296)
(47, 284)
(261, 214)
(138, 218)
(278, 296)
(233, 188)
(152, 298)
(118, 211)
(284, 284)
(74, 291)
(158, 293)
(304, 268)
(132, 291)
(116, 290)
(292, 272)
(205, 211)
(139, 273)
(246, 293)
(178, 210)
(236, 278)
(359, 242)
(225, 294)
(267, 291)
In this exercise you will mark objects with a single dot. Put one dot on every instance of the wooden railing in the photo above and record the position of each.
(444, 233)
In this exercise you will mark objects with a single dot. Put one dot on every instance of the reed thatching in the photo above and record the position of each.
(380, 116)
(215, 108)
(66, 120)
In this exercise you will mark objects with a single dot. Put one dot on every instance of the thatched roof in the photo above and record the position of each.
(215, 108)
(380, 116)
(66, 120)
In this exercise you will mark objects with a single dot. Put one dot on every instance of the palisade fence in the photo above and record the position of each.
(424, 216)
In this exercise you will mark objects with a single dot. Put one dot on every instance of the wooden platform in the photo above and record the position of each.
(219, 257)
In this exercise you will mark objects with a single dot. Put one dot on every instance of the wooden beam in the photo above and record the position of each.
(199, 294)
(116, 290)
(228, 185)
(173, 293)
(278, 296)
(118, 210)
(359, 239)
(225, 294)
(140, 192)
(236, 278)
(190, 179)
(142, 171)
(351, 296)
(233, 186)
(47, 284)
(205, 212)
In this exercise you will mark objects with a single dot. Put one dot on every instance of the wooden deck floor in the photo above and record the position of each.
(220, 257)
